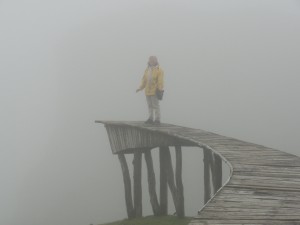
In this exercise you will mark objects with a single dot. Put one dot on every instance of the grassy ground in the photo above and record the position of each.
(151, 220)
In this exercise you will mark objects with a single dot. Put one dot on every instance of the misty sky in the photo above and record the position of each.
(231, 67)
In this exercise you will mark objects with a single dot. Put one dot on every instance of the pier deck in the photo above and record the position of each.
(264, 184)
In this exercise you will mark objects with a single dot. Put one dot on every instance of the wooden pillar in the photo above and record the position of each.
(152, 183)
(163, 182)
(207, 159)
(217, 176)
(137, 180)
(127, 186)
(170, 176)
(176, 189)
(179, 184)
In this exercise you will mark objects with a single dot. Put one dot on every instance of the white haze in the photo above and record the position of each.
(231, 67)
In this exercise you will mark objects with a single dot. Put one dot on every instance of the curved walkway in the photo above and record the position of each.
(264, 186)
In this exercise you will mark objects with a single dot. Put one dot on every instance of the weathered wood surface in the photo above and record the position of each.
(152, 183)
(175, 186)
(127, 186)
(217, 172)
(137, 181)
(207, 161)
(163, 189)
(179, 184)
(264, 185)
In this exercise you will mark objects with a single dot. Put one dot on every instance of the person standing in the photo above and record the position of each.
(152, 81)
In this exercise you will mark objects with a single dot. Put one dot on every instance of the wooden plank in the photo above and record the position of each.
(245, 222)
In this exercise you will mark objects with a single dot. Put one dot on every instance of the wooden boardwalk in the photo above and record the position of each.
(264, 184)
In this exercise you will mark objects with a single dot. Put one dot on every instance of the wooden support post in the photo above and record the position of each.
(207, 159)
(179, 184)
(152, 183)
(176, 189)
(170, 177)
(137, 180)
(127, 186)
(217, 176)
(163, 182)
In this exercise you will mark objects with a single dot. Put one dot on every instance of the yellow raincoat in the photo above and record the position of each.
(157, 81)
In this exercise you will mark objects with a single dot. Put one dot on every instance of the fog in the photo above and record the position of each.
(231, 67)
